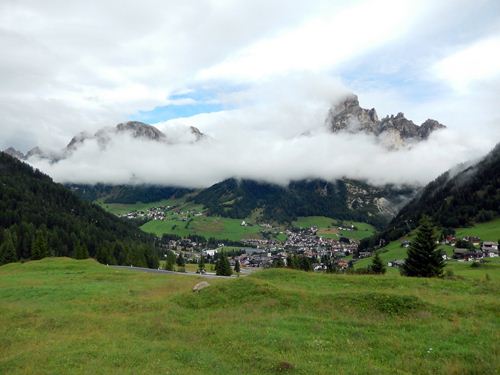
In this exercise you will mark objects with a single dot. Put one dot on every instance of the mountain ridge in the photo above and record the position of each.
(394, 131)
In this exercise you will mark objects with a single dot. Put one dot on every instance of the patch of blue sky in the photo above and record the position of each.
(188, 103)
(168, 112)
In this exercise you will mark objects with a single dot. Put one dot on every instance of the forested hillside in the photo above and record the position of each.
(342, 199)
(458, 198)
(127, 193)
(40, 218)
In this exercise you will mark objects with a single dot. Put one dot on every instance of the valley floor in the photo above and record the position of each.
(61, 315)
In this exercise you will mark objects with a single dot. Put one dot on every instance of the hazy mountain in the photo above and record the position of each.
(134, 129)
(393, 131)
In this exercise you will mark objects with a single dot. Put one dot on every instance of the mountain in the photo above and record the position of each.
(127, 193)
(393, 131)
(342, 199)
(460, 197)
(15, 153)
(104, 136)
(41, 218)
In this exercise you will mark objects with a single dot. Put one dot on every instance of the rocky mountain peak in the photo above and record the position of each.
(140, 130)
(349, 116)
(392, 131)
(15, 153)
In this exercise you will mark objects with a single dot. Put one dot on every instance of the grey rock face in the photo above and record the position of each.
(348, 115)
(15, 153)
(393, 131)
(140, 130)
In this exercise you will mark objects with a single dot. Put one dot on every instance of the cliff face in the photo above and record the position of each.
(393, 131)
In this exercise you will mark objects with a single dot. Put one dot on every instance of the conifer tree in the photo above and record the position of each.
(201, 263)
(81, 251)
(222, 267)
(237, 267)
(180, 260)
(170, 262)
(424, 259)
(377, 265)
(7, 249)
(40, 245)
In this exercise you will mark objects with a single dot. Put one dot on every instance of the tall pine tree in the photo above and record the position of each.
(7, 249)
(40, 245)
(222, 267)
(377, 265)
(424, 259)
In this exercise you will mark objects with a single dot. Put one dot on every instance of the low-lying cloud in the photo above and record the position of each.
(279, 138)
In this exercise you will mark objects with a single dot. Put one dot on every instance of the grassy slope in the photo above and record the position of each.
(207, 226)
(123, 208)
(489, 231)
(62, 315)
(327, 227)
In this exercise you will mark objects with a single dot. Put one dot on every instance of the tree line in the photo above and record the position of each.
(39, 218)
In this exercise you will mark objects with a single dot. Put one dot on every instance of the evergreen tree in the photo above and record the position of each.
(81, 251)
(424, 259)
(201, 263)
(377, 265)
(222, 267)
(305, 263)
(237, 267)
(40, 245)
(7, 249)
(170, 262)
(180, 260)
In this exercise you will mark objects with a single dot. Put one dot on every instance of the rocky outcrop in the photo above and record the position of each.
(392, 131)
(15, 153)
(104, 136)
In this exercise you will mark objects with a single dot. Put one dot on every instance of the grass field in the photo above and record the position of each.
(489, 231)
(123, 208)
(328, 227)
(65, 316)
(207, 226)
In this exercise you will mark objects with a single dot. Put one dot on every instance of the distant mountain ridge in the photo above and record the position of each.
(393, 131)
(136, 129)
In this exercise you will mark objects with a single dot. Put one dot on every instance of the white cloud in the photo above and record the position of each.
(474, 63)
(275, 141)
(320, 43)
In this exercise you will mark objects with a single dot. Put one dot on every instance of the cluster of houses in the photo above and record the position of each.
(487, 249)
(160, 213)
(475, 249)
(153, 213)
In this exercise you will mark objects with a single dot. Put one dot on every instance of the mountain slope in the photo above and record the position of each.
(45, 219)
(127, 194)
(457, 198)
(343, 199)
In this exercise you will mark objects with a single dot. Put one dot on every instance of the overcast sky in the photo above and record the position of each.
(243, 71)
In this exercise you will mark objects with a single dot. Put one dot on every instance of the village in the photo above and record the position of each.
(265, 253)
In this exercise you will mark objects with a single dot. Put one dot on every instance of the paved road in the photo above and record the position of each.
(152, 270)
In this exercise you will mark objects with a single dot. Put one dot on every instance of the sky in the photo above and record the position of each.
(257, 77)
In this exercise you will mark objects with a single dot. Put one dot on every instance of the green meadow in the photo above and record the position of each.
(328, 227)
(207, 226)
(61, 316)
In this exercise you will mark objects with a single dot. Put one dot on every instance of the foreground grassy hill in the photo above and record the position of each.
(60, 315)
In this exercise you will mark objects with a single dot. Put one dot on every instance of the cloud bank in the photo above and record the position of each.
(279, 138)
